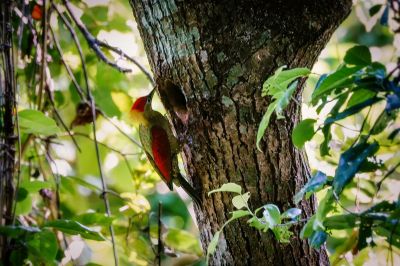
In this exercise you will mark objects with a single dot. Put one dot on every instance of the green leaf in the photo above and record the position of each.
(35, 185)
(352, 110)
(340, 222)
(24, 202)
(360, 96)
(75, 228)
(182, 241)
(265, 122)
(314, 184)
(382, 122)
(272, 215)
(358, 55)
(276, 86)
(338, 79)
(291, 213)
(349, 163)
(255, 222)
(303, 132)
(44, 245)
(238, 214)
(308, 228)
(37, 123)
(212, 246)
(374, 10)
(229, 187)
(94, 218)
(317, 239)
(325, 206)
(17, 231)
(282, 78)
(240, 201)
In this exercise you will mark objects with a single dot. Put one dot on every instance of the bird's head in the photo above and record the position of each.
(139, 108)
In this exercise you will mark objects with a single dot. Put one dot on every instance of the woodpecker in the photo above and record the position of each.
(160, 144)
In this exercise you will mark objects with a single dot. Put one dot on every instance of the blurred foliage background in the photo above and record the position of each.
(60, 177)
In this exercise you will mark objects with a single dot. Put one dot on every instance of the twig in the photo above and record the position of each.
(91, 40)
(77, 44)
(93, 107)
(44, 55)
(159, 243)
(60, 118)
(95, 44)
(120, 130)
(69, 71)
(391, 171)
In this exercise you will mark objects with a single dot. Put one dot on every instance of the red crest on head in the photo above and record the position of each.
(139, 104)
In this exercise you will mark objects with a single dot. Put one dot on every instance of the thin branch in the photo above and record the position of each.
(391, 171)
(93, 107)
(95, 44)
(77, 44)
(120, 130)
(159, 243)
(91, 40)
(69, 71)
(43, 54)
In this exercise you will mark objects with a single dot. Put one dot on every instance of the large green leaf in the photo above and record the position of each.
(182, 241)
(351, 111)
(228, 187)
(272, 215)
(314, 184)
(240, 201)
(340, 221)
(341, 78)
(349, 163)
(265, 122)
(43, 245)
(94, 218)
(37, 123)
(15, 231)
(303, 132)
(358, 55)
(75, 228)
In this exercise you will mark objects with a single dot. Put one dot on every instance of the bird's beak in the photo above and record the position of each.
(150, 97)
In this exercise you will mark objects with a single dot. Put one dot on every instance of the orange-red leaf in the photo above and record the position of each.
(37, 12)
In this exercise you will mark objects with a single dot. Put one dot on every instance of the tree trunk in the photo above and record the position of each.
(210, 59)
(7, 113)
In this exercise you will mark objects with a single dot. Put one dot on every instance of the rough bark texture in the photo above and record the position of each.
(210, 59)
(7, 113)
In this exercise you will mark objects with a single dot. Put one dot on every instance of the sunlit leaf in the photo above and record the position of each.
(358, 55)
(74, 228)
(182, 241)
(349, 163)
(272, 215)
(35, 122)
(212, 246)
(229, 187)
(240, 201)
(94, 218)
(314, 184)
(291, 213)
(342, 77)
(303, 132)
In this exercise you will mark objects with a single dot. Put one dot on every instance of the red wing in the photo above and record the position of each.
(161, 150)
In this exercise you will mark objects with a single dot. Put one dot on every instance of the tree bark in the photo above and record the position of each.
(210, 59)
(7, 114)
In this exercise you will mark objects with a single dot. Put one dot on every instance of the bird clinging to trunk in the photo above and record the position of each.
(159, 143)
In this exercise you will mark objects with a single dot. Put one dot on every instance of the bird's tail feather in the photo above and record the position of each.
(193, 193)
